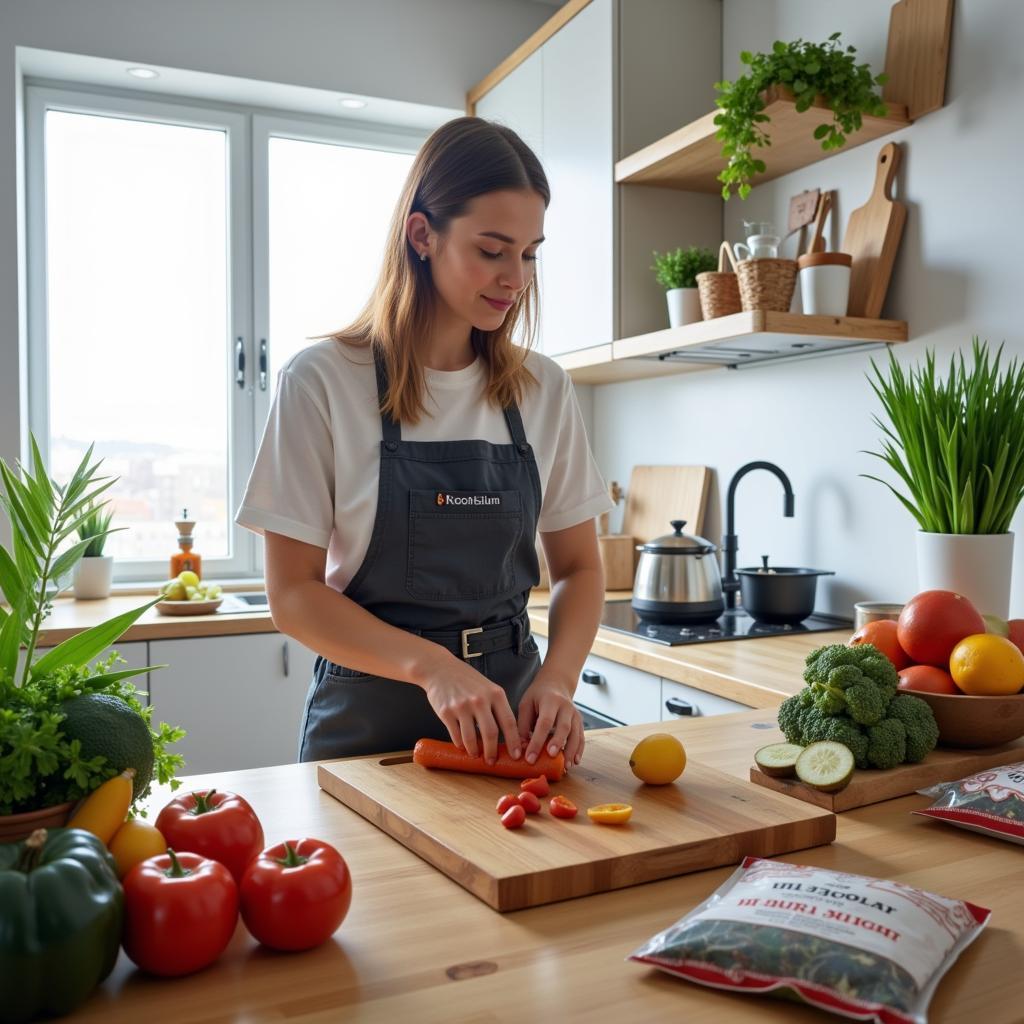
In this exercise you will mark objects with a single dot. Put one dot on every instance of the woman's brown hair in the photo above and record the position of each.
(465, 158)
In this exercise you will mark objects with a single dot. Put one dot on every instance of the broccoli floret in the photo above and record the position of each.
(918, 720)
(887, 743)
(791, 713)
(858, 680)
(842, 730)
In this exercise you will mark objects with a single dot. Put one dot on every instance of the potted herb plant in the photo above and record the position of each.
(807, 71)
(65, 727)
(94, 573)
(677, 272)
(958, 446)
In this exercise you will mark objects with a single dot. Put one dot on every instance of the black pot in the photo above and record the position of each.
(780, 596)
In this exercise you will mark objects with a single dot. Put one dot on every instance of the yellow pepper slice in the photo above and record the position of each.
(610, 814)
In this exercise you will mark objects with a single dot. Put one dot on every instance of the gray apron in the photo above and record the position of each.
(452, 558)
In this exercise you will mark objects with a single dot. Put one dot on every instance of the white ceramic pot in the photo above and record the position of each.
(825, 283)
(683, 306)
(93, 577)
(977, 565)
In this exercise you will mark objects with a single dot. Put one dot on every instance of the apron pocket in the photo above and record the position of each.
(462, 543)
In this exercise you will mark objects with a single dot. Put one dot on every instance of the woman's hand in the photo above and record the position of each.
(547, 710)
(467, 701)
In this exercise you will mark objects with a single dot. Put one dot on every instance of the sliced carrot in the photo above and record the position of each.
(438, 754)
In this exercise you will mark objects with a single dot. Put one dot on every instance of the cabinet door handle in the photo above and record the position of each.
(284, 657)
(263, 364)
(593, 678)
(239, 362)
(675, 706)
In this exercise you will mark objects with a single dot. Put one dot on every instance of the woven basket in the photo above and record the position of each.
(767, 284)
(719, 290)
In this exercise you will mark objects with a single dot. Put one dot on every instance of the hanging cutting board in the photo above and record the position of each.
(705, 819)
(872, 238)
(658, 494)
(871, 787)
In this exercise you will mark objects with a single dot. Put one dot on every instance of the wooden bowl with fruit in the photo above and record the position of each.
(186, 594)
(968, 667)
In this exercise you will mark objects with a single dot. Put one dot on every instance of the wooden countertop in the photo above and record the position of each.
(759, 673)
(416, 946)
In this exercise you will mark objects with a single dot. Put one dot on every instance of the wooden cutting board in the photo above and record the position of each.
(872, 787)
(872, 238)
(705, 819)
(658, 494)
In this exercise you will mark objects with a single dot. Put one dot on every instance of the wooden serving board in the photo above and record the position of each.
(659, 494)
(705, 819)
(872, 787)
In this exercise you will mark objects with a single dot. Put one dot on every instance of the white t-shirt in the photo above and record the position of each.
(316, 472)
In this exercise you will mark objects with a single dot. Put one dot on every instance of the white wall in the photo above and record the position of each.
(957, 274)
(420, 51)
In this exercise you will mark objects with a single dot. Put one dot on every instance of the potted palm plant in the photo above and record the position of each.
(65, 726)
(677, 273)
(958, 446)
(94, 573)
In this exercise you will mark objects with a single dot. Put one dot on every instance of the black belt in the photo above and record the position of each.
(480, 640)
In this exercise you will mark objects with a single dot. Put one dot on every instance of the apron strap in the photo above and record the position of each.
(515, 428)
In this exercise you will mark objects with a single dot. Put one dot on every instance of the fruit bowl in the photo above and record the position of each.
(188, 607)
(967, 721)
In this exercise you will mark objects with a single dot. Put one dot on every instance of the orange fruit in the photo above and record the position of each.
(986, 665)
(933, 622)
(927, 678)
(882, 634)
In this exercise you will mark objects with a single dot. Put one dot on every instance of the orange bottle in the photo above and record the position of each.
(186, 558)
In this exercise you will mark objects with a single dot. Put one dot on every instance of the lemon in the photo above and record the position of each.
(987, 665)
(658, 759)
(188, 578)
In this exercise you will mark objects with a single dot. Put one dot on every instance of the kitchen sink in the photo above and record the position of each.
(253, 598)
(247, 601)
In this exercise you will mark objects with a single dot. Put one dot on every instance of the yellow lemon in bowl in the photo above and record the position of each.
(987, 665)
(658, 759)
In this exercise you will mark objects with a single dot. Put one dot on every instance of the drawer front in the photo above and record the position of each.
(623, 693)
(680, 696)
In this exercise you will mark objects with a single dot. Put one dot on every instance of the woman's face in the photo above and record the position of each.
(487, 257)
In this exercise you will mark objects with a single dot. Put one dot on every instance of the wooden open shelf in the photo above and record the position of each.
(690, 158)
(743, 339)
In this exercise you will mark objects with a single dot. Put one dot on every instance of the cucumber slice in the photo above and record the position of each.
(778, 759)
(826, 766)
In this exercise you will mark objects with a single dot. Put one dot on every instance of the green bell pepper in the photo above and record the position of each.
(61, 907)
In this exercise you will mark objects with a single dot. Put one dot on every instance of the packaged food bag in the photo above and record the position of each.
(991, 802)
(859, 947)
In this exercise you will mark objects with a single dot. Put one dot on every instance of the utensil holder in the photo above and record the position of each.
(719, 290)
(766, 284)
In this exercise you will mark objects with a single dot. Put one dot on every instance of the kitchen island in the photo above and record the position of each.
(416, 946)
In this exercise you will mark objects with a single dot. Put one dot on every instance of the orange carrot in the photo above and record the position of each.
(438, 754)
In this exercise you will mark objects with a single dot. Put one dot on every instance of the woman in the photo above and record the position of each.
(407, 465)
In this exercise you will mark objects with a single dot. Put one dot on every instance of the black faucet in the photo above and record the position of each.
(730, 585)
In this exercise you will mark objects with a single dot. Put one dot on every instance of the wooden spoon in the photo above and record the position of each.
(817, 239)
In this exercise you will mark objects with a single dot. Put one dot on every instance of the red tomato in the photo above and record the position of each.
(296, 894)
(221, 826)
(530, 801)
(927, 678)
(933, 622)
(538, 786)
(507, 801)
(514, 817)
(562, 807)
(180, 911)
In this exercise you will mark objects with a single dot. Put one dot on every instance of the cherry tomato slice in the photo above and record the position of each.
(538, 786)
(507, 801)
(514, 817)
(561, 807)
(610, 814)
(530, 802)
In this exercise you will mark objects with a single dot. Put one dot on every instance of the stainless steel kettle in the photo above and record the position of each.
(677, 579)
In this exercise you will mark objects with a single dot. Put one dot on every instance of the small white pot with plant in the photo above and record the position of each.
(677, 273)
(958, 445)
(94, 573)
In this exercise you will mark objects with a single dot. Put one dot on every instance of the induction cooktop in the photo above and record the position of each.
(734, 624)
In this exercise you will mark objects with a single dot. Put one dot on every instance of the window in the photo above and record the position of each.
(164, 295)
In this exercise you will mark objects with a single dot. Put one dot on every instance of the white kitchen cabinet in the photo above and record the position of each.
(616, 77)
(135, 656)
(240, 698)
(618, 691)
(679, 701)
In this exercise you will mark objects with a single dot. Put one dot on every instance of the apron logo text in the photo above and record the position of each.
(467, 499)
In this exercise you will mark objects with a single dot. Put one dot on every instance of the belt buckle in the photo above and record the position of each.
(466, 634)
